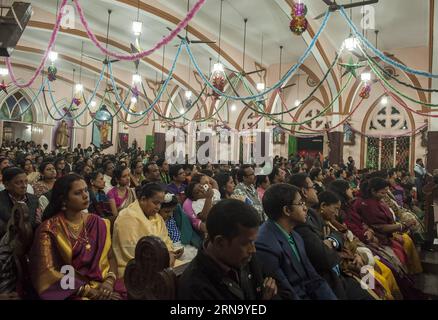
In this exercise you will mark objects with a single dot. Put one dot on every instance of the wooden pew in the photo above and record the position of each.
(148, 276)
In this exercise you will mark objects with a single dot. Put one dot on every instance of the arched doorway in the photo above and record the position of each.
(18, 118)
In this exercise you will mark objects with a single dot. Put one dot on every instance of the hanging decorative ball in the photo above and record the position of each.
(218, 81)
(4, 87)
(298, 25)
(365, 91)
(299, 9)
(51, 73)
(77, 101)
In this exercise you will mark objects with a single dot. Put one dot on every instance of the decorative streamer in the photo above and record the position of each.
(137, 56)
(380, 54)
(291, 71)
(46, 54)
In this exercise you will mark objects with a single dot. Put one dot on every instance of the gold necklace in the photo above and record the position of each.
(76, 229)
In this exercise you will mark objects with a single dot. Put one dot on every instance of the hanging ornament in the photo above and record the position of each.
(218, 81)
(365, 91)
(77, 101)
(51, 73)
(135, 92)
(299, 23)
(4, 87)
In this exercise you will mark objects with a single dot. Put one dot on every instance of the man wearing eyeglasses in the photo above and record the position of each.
(246, 188)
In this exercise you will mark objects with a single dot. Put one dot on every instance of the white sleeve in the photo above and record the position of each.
(198, 205)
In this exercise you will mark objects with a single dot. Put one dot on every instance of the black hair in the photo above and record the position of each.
(79, 167)
(189, 189)
(276, 197)
(60, 194)
(146, 167)
(273, 173)
(328, 198)
(260, 180)
(117, 174)
(207, 172)
(241, 172)
(58, 160)
(227, 217)
(172, 203)
(339, 172)
(10, 173)
(391, 172)
(92, 176)
(160, 162)
(340, 187)
(222, 179)
(174, 169)
(134, 164)
(149, 190)
(106, 164)
(374, 184)
(314, 173)
(43, 166)
(299, 180)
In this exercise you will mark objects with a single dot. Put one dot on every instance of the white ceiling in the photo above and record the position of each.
(402, 24)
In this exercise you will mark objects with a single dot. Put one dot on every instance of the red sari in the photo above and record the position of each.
(53, 253)
(375, 213)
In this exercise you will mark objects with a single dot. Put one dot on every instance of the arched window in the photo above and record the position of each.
(17, 108)
(387, 153)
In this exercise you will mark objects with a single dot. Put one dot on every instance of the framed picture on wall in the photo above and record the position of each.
(349, 135)
(278, 136)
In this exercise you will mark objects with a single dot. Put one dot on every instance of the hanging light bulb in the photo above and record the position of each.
(181, 111)
(93, 103)
(365, 76)
(188, 94)
(4, 72)
(260, 86)
(233, 107)
(137, 27)
(218, 67)
(133, 100)
(384, 100)
(297, 103)
(351, 44)
(79, 87)
(53, 56)
(136, 78)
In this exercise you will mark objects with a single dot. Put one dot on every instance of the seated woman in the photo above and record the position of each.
(378, 216)
(32, 174)
(121, 195)
(355, 256)
(70, 237)
(14, 247)
(281, 250)
(137, 176)
(225, 184)
(179, 228)
(48, 178)
(139, 220)
(262, 183)
(15, 181)
(201, 196)
(99, 201)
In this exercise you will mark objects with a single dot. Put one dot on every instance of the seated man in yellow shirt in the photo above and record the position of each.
(140, 219)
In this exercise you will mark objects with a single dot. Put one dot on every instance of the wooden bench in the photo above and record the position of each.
(148, 276)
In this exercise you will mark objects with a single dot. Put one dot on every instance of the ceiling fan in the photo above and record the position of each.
(186, 37)
(106, 60)
(333, 6)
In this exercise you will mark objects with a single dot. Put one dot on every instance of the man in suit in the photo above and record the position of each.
(224, 268)
(281, 250)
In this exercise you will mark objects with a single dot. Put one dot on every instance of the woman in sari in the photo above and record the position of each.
(121, 195)
(48, 178)
(378, 216)
(99, 202)
(355, 256)
(71, 243)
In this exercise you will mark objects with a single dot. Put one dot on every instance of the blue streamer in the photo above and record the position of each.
(291, 71)
(380, 54)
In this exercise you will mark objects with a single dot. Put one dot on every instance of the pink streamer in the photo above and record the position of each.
(43, 61)
(142, 54)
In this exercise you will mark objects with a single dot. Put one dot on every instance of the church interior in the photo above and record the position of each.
(117, 99)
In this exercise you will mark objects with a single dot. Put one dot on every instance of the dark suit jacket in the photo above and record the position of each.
(6, 206)
(295, 279)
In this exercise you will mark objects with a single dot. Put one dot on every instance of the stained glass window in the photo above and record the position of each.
(17, 107)
(403, 152)
(373, 153)
(387, 154)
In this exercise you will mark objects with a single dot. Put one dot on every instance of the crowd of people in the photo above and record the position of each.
(305, 231)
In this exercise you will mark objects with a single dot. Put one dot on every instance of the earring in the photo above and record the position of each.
(63, 208)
